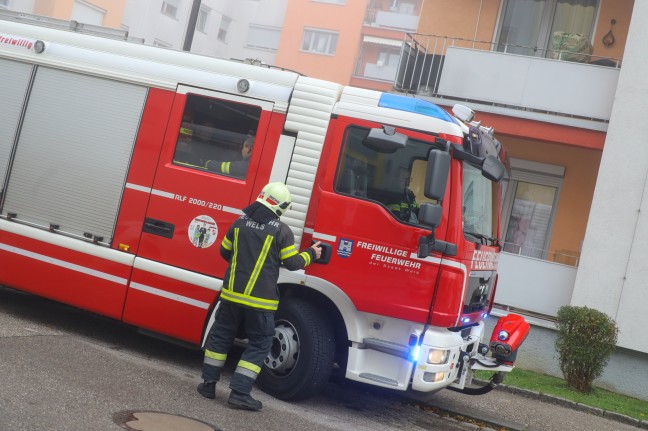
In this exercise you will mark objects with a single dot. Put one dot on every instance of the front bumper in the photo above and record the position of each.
(434, 371)
(441, 359)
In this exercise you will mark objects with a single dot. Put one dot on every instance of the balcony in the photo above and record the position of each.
(535, 285)
(396, 15)
(579, 92)
(391, 20)
(379, 71)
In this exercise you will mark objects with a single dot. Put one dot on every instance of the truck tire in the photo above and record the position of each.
(302, 354)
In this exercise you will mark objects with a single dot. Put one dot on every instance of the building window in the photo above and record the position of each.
(536, 28)
(203, 15)
(529, 207)
(379, 58)
(224, 28)
(263, 37)
(320, 41)
(170, 8)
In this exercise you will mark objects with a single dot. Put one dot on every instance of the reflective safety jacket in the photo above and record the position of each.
(407, 209)
(236, 168)
(255, 252)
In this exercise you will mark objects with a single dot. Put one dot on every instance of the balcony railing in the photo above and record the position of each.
(535, 285)
(489, 73)
(564, 257)
(391, 20)
(379, 72)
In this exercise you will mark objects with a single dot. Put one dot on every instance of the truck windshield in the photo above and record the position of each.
(480, 206)
(394, 180)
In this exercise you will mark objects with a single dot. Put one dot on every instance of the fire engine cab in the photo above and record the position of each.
(122, 166)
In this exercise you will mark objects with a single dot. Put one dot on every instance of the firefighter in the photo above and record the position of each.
(406, 208)
(237, 168)
(184, 148)
(255, 246)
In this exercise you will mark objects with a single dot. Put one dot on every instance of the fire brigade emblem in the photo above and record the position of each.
(345, 247)
(202, 231)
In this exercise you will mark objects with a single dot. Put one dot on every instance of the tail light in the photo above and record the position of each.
(508, 334)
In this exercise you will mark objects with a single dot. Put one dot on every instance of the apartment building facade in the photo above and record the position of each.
(106, 13)
(223, 28)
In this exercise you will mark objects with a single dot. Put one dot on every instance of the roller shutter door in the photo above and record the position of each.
(73, 152)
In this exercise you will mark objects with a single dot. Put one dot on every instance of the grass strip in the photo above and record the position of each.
(599, 398)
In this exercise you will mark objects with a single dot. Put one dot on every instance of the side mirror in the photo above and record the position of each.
(436, 176)
(385, 140)
(429, 214)
(493, 169)
(490, 166)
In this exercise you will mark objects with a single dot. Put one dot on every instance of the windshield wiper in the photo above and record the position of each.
(483, 239)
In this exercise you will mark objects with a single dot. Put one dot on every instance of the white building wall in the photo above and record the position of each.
(613, 272)
(243, 13)
(24, 6)
(144, 19)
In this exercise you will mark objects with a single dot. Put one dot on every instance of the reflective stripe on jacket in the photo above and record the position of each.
(255, 252)
(236, 168)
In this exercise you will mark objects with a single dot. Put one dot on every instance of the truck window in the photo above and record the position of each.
(393, 180)
(217, 136)
(479, 203)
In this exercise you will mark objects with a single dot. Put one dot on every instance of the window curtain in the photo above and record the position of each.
(521, 26)
(528, 227)
(574, 16)
(527, 24)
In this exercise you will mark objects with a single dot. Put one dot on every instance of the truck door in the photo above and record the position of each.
(210, 167)
(378, 193)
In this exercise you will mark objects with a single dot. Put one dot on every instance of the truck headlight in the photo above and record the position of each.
(437, 356)
(433, 377)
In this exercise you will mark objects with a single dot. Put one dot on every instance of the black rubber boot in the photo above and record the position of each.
(239, 400)
(207, 389)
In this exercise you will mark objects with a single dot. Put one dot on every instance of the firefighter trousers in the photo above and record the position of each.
(259, 330)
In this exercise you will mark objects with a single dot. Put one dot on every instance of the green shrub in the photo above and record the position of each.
(586, 340)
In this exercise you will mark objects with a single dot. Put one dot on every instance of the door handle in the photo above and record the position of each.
(158, 227)
(327, 250)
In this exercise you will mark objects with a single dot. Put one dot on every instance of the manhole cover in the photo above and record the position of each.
(158, 421)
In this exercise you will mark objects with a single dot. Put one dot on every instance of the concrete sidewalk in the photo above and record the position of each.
(516, 409)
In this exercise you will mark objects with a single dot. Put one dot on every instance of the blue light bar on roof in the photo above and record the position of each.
(410, 104)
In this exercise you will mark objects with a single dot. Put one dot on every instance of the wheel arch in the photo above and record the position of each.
(326, 304)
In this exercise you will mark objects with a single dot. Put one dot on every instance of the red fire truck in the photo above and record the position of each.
(121, 169)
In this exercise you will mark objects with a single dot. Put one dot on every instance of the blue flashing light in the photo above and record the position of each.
(414, 353)
(484, 315)
(411, 104)
(465, 320)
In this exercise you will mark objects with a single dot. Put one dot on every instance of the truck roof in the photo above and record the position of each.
(141, 64)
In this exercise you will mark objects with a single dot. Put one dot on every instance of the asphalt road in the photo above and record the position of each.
(65, 369)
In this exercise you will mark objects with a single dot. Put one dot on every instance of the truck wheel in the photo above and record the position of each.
(302, 353)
